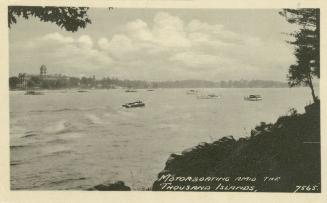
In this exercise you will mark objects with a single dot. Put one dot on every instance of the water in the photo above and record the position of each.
(65, 140)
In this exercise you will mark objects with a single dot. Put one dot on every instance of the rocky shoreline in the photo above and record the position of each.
(274, 158)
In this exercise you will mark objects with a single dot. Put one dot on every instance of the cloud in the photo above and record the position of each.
(63, 54)
(169, 31)
(199, 60)
(167, 48)
(120, 46)
(139, 30)
(58, 38)
(85, 42)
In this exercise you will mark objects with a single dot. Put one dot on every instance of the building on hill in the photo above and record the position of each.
(25, 78)
(43, 71)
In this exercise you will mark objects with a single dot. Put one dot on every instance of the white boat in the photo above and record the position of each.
(253, 97)
(208, 96)
(134, 104)
(190, 92)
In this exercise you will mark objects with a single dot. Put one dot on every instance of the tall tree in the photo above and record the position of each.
(69, 18)
(307, 47)
(13, 81)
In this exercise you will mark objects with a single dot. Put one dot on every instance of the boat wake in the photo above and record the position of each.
(60, 127)
(29, 134)
(93, 119)
(63, 110)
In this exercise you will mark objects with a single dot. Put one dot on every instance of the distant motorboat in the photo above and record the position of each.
(134, 104)
(253, 97)
(32, 92)
(81, 91)
(130, 90)
(209, 96)
(190, 92)
(150, 90)
(214, 95)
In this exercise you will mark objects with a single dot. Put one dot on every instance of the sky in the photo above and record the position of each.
(158, 44)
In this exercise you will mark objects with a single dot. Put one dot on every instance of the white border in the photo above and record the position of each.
(86, 196)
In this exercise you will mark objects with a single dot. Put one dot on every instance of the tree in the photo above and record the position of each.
(69, 18)
(13, 81)
(307, 47)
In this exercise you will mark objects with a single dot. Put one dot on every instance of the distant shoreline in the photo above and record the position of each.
(27, 81)
(40, 89)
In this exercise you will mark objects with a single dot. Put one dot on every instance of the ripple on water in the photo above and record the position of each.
(29, 134)
(93, 119)
(66, 180)
(59, 127)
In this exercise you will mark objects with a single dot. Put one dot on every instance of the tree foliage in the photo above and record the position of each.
(13, 81)
(307, 46)
(69, 18)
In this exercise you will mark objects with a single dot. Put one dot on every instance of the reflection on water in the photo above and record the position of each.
(68, 140)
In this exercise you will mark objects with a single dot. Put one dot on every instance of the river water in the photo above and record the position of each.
(66, 140)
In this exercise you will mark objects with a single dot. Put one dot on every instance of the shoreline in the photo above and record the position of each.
(274, 158)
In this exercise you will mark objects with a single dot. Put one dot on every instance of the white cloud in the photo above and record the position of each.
(57, 38)
(119, 46)
(65, 54)
(139, 30)
(168, 48)
(198, 26)
(85, 41)
(103, 43)
(169, 31)
(199, 60)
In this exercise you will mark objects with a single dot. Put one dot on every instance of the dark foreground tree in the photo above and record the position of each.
(307, 47)
(69, 18)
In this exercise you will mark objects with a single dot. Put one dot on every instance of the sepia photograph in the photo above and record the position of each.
(164, 99)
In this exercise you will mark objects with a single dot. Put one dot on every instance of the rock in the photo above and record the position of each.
(242, 139)
(172, 157)
(185, 151)
(111, 186)
(227, 139)
(201, 145)
(163, 172)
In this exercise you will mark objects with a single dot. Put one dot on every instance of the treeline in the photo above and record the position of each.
(51, 83)
(199, 84)
(252, 84)
(107, 82)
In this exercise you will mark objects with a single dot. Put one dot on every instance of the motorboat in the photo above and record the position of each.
(82, 91)
(214, 95)
(134, 104)
(190, 92)
(208, 96)
(32, 92)
(130, 90)
(253, 97)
